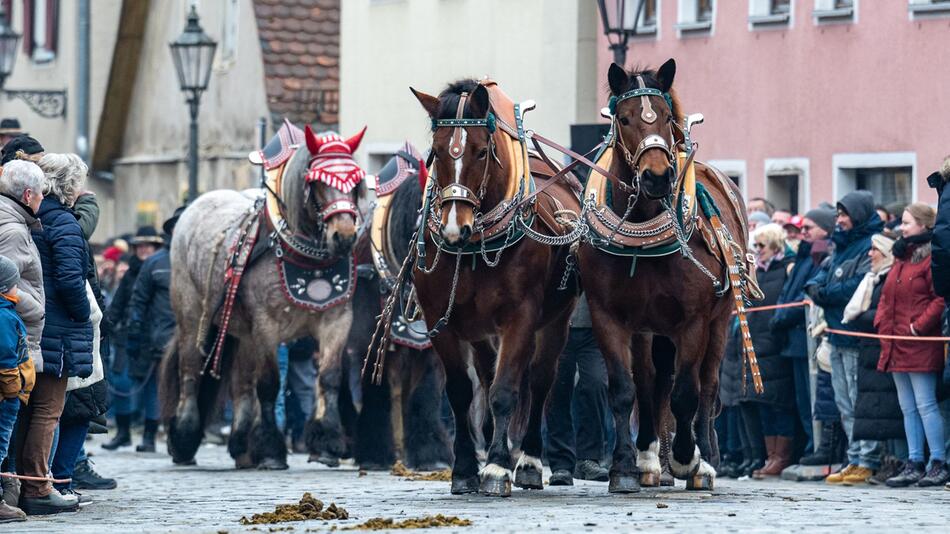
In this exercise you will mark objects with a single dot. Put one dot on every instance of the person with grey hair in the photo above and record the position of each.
(67, 340)
(21, 192)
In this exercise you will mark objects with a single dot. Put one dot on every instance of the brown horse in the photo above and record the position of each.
(492, 281)
(665, 294)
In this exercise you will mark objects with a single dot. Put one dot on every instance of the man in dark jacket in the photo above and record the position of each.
(144, 245)
(831, 289)
(151, 328)
(940, 245)
(817, 226)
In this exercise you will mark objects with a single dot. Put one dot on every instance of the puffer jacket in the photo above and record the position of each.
(776, 370)
(838, 278)
(940, 254)
(908, 299)
(790, 322)
(67, 336)
(877, 412)
(17, 375)
(17, 221)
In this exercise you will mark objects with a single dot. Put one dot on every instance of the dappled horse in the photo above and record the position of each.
(668, 243)
(250, 271)
(478, 277)
(400, 418)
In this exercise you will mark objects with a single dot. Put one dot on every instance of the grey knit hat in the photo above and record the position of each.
(824, 218)
(9, 274)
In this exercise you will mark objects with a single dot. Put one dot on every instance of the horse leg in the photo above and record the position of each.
(644, 377)
(517, 350)
(458, 386)
(325, 429)
(243, 396)
(374, 431)
(615, 344)
(551, 341)
(709, 395)
(268, 449)
(686, 459)
(484, 360)
(426, 440)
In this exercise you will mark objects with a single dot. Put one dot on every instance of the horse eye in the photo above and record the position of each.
(624, 121)
(483, 153)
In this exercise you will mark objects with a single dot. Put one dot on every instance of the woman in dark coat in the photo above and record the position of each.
(775, 407)
(66, 343)
(910, 307)
(877, 414)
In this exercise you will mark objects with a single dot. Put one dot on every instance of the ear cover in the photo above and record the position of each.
(313, 144)
(354, 142)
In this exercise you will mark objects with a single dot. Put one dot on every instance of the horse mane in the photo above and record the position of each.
(292, 191)
(403, 218)
(650, 79)
(449, 97)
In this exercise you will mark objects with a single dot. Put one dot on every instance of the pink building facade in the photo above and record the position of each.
(806, 100)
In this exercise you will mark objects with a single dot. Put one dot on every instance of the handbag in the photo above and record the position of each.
(98, 372)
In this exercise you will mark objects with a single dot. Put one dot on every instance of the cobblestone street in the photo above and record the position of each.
(155, 496)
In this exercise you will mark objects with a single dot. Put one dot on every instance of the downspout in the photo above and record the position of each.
(82, 81)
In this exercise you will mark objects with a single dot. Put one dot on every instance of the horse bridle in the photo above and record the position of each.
(648, 116)
(456, 192)
(340, 205)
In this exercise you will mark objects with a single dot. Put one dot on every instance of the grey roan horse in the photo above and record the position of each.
(314, 208)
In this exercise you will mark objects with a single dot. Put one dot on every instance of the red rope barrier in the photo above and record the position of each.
(37, 479)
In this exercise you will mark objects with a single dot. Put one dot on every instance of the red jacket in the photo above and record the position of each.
(907, 299)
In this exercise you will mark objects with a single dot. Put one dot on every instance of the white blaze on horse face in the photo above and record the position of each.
(452, 230)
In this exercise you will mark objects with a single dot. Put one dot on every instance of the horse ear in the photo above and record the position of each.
(618, 79)
(666, 74)
(354, 142)
(313, 144)
(480, 102)
(429, 103)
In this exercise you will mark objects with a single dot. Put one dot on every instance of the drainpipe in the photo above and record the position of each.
(82, 81)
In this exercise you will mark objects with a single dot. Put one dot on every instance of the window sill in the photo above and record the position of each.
(823, 15)
(645, 31)
(694, 27)
(42, 56)
(928, 9)
(769, 20)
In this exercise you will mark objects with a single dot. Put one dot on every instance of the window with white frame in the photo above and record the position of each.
(834, 10)
(787, 183)
(40, 29)
(770, 12)
(889, 176)
(229, 34)
(695, 16)
(923, 8)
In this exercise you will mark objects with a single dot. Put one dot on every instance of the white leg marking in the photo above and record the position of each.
(683, 471)
(529, 462)
(648, 461)
(706, 469)
(494, 471)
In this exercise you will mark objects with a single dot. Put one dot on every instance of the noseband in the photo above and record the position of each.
(456, 192)
(648, 116)
(335, 207)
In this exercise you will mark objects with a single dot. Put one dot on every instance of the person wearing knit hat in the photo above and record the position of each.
(17, 374)
(823, 218)
(21, 147)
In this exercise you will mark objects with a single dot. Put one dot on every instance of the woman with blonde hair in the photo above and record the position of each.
(67, 340)
(910, 307)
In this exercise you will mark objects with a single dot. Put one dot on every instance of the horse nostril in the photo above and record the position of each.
(465, 233)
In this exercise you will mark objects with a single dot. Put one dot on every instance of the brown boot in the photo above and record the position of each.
(770, 456)
(781, 457)
(10, 514)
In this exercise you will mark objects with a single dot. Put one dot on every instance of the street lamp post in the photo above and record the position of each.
(619, 26)
(46, 103)
(193, 54)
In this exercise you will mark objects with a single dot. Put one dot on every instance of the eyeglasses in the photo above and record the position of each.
(758, 245)
(807, 227)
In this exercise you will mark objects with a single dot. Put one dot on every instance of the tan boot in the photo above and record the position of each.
(10, 514)
(770, 456)
(838, 478)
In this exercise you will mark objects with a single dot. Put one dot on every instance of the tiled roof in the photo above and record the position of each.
(300, 44)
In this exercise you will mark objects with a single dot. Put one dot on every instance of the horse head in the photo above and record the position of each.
(470, 175)
(326, 203)
(646, 115)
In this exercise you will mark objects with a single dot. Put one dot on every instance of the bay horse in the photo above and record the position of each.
(492, 282)
(401, 417)
(640, 285)
(303, 222)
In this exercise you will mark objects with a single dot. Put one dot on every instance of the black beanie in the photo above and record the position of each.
(24, 143)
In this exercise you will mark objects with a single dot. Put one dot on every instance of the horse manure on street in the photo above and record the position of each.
(309, 507)
(400, 470)
(429, 521)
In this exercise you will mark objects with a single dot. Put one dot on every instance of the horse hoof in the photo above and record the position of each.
(272, 464)
(700, 482)
(495, 487)
(244, 461)
(325, 459)
(623, 484)
(462, 486)
(184, 461)
(650, 480)
(528, 479)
